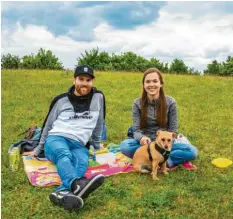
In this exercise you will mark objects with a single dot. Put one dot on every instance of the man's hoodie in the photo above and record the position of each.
(80, 118)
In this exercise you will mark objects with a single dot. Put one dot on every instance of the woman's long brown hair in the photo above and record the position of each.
(161, 108)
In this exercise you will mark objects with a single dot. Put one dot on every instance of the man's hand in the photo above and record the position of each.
(29, 153)
(145, 140)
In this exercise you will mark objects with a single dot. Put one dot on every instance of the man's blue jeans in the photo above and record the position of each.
(70, 157)
(180, 153)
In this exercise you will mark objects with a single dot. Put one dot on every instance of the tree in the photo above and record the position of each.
(193, 71)
(28, 62)
(178, 66)
(104, 62)
(227, 67)
(46, 60)
(142, 64)
(130, 61)
(89, 58)
(213, 68)
(10, 61)
(155, 63)
(98, 60)
(165, 68)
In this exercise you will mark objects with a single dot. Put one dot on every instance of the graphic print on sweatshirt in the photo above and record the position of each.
(85, 115)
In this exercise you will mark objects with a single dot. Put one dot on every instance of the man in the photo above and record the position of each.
(74, 118)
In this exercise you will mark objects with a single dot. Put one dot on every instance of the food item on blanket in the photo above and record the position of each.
(14, 158)
(102, 151)
(106, 158)
(122, 158)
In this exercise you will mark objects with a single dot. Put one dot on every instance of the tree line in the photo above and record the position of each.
(42, 60)
(102, 61)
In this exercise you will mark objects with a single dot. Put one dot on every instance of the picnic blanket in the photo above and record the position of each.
(43, 173)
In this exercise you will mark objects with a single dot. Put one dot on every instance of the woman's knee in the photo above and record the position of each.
(194, 152)
(187, 151)
(124, 145)
(129, 146)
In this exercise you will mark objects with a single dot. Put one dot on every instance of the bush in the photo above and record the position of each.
(10, 61)
(224, 69)
(227, 67)
(90, 58)
(128, 61)
(155, 63)
(178, 67)
(46, 60)
(28, 62)
(213, 68)
(42, 60)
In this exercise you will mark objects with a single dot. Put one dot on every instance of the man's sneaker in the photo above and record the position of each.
(83, 187)
(189, 166)
(66, 199)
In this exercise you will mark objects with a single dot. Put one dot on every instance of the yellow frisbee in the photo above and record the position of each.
(221, 162)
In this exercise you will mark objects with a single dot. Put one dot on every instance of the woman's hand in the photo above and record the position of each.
(29, 153)
(145, 140)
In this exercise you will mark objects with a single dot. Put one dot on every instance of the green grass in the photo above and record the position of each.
(205, 111)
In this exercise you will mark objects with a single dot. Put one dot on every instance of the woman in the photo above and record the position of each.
(152, 112)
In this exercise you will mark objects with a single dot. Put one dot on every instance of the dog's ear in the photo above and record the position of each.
(174, 135)
(157, 133)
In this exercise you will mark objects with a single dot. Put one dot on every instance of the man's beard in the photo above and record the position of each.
(83, 90)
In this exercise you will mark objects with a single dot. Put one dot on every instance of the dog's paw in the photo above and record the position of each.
(155, 178)
(165, 173)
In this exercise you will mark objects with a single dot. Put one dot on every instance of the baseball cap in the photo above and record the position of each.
(84, 69)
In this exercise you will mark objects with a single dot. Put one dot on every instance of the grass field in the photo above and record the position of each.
(205, 112)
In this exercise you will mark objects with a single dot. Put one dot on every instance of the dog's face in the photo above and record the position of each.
(164, 139)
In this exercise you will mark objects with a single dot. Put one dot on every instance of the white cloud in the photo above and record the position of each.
(196, 40)
(176, 37)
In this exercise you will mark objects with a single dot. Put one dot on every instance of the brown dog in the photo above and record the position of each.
(148, 157)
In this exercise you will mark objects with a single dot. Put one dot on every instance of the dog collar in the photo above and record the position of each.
(163, 152)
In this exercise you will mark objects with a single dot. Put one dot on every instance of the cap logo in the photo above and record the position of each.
(85, 69)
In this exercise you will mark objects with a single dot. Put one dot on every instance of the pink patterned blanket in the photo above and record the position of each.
(43, 173)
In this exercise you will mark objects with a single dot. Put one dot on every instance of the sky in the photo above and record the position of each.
(196, 32)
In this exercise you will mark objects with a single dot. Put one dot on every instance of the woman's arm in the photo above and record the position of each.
(172, 118)
(138, 134)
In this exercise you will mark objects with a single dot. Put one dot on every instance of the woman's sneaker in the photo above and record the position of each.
(83, 187)
(174, 167)
(189, 166)
(66, 199)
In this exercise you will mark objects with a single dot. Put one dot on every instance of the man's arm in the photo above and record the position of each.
(97, 132)
(52, 116)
